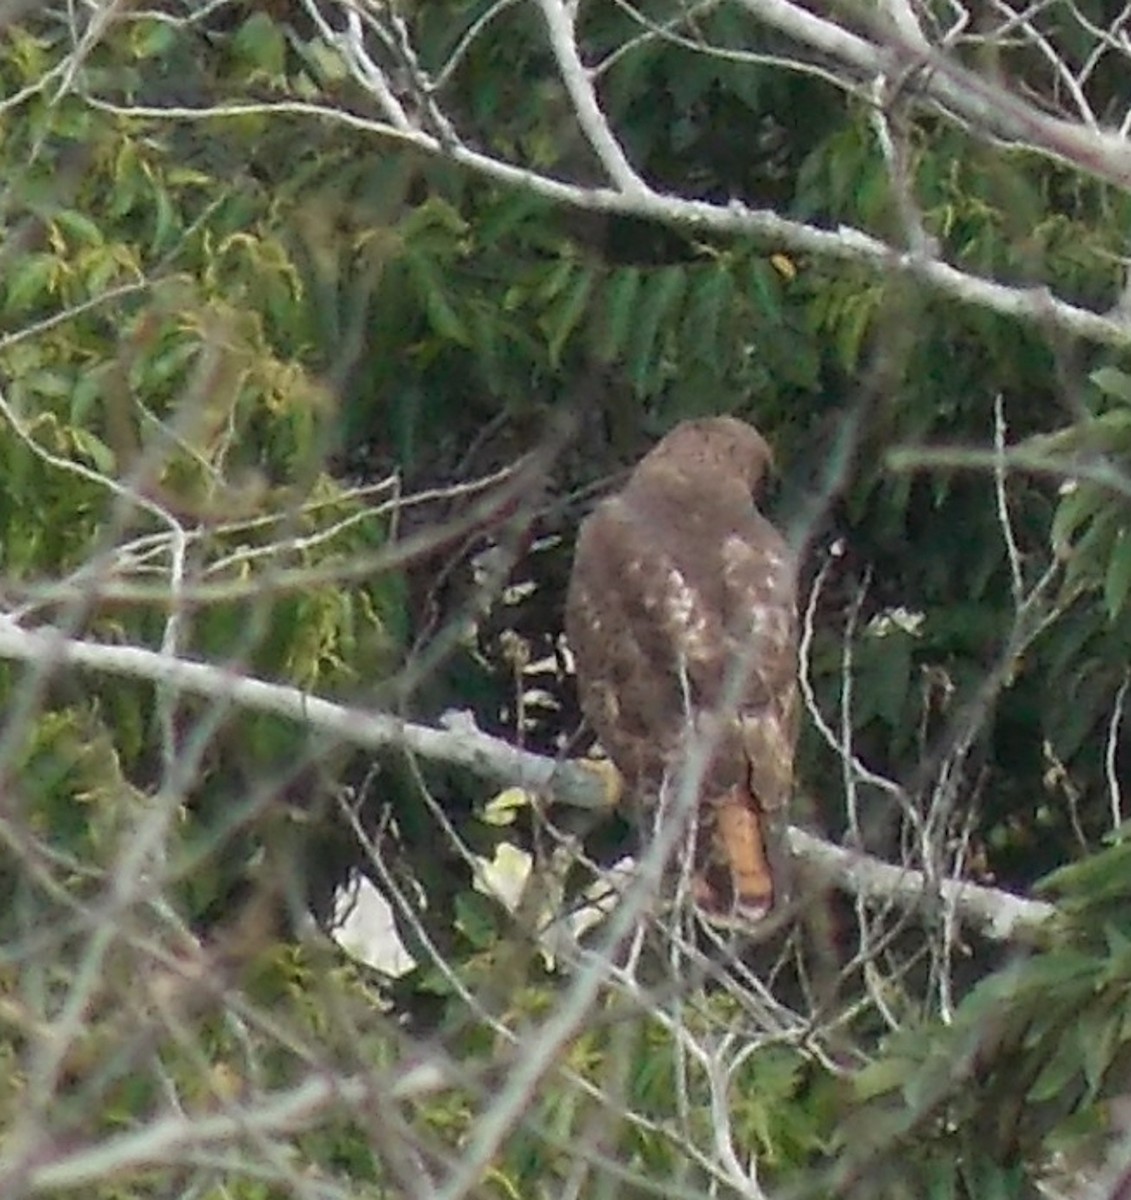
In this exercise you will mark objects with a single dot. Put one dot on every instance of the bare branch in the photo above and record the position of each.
(995, 914)
(1034, 305)
(560, 26)
(986, 107)
(169, 1140)
(489, 758)
(1114, 791)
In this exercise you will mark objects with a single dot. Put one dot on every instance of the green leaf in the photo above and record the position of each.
(169, 364)
(1094, 878)
(854, 324)
(475, 919)
(554, 281)
(434, 223)
(166, 222)
(430, 288)
(46, 382)
(941, 1183)
(1060, 1073)
(710, 297)
(1117, 581)
(1112, 382)
(79, 227)
(31, 280)
(620, 304)
(259, 42)
(1074, 509)
(765, 288)
(84, 395)
(563, 319)
(510, 216)
(889, 1074)
(1097, 1038)
(1092, 550)
(891, 677)
(95, 449)
(505, 808)
(990, 1180)
(152, 39)
(434, 982)
(663, 293)
(487, 338)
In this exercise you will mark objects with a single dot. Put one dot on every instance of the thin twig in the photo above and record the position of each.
(1114, 791)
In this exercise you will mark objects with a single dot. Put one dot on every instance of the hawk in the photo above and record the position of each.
(681, 615)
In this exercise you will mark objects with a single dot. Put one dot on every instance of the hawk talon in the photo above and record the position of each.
(610, 780)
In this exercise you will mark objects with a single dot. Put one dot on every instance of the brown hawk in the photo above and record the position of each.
(681, 615)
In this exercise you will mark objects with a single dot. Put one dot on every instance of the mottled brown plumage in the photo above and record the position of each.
(681, 615)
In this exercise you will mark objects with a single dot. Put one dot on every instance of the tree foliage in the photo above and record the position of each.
(319, 326)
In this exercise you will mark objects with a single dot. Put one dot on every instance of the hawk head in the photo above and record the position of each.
(721, 449)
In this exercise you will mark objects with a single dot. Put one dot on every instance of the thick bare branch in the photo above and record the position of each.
(1033, 305)
(980, 103)
(997, 914)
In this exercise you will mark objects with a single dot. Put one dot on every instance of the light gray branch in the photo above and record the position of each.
(996, 914)
(1034, 305)
(977, 101)
(560, 26)
(168, 1140)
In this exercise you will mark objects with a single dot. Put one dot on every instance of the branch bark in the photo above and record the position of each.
(983, 106)
(996, 914)
(1033, 305)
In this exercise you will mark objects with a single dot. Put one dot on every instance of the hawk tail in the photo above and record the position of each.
(736, 880)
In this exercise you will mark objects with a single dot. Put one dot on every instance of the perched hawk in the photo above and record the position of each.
(681, 615)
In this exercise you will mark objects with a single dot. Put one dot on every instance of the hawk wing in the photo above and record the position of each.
(618, 624)
(743, 873)
(759, 576)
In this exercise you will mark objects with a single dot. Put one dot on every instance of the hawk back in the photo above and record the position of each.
(681, 615)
